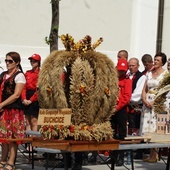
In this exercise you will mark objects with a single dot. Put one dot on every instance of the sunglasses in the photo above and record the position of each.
(9, 61)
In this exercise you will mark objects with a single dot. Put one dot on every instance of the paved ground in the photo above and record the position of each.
(22, 163)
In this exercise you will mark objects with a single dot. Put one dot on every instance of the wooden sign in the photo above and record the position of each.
(54, 117)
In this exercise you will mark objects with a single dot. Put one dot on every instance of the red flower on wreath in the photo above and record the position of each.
(61, 126)
(82, 89)
(72, 129)
(45, 128)
(107, 91)
(90, 128)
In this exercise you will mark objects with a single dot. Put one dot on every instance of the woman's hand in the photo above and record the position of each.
(26, 102)
(1, 109)
(148, 104)
(29, 102)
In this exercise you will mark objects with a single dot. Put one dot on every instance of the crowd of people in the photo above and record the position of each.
(139, 110)
(134, 113)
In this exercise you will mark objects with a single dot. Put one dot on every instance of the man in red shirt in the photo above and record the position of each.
(119, 119)
(125, 90)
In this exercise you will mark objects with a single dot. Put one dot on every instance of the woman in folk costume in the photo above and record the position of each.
(12, 120)
(148, 118)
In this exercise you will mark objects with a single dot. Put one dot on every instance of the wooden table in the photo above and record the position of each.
(130, 143)
(65, 146)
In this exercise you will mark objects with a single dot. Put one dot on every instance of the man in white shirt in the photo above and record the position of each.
(138, 80)
(135, 106)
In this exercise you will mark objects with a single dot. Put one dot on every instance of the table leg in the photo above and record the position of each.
(113, 157)
(132, 163)
(66, 158)
(168, 160)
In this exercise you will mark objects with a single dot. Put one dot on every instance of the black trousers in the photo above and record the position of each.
(79, 158)
(134, 120)
(118, 122)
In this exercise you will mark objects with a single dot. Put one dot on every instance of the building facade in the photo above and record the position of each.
(130, 25)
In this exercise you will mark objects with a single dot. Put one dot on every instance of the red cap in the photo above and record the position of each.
(35, 57)
(122, 65)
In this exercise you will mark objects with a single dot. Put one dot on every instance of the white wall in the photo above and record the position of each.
(144, 27)
(166, 29)
(130, 25)
(98, 18)
(24, 25)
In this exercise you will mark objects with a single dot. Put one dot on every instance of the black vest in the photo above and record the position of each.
(137, 75)
(8, 90)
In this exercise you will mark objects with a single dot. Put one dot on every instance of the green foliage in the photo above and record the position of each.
(55, 28)
(48, 40)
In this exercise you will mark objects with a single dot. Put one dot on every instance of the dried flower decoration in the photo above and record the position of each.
(107, 91)
(82, 90)
(49, 89)
(81, 46)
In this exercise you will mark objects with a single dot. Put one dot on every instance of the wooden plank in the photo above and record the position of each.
(130, 141)
(75, 146)
(16, 140)
(50, 143)
(143, 146)
(142, 138)
(94, 146)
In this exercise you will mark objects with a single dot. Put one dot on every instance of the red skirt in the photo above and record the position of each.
(12, 124)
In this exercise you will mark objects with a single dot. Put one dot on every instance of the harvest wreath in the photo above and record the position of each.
(83, 80)
(163, 90)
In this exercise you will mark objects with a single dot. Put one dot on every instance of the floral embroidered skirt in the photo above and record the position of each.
(12, 124)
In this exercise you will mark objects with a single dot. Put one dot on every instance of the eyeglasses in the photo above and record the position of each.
(9, 61)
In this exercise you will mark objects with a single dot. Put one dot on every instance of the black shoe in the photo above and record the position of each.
(77, 167)
(120, 162)
(61, 165)
(85, 161)
(93, 158)
(139, 155)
